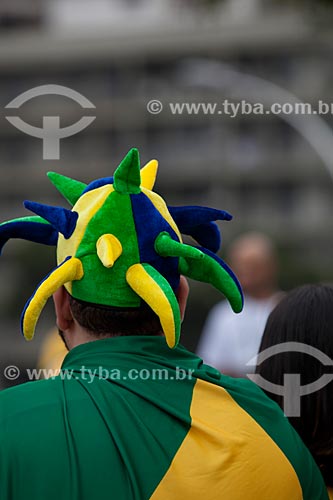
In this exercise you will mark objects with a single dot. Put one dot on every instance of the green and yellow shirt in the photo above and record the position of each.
(128, 418)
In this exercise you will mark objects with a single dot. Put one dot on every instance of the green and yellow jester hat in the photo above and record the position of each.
(121, 244)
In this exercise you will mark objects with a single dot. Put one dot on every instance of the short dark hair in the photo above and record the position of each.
(305, 315)
(106, 321)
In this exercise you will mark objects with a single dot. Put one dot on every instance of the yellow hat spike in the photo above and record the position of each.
(109, 249)
(70, 270)
(155, 290)
(148, 174)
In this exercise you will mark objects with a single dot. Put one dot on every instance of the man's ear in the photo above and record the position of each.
(182, 294)
(62, 309)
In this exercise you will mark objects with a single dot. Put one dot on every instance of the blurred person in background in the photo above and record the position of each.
(305, 315)
(228, 342)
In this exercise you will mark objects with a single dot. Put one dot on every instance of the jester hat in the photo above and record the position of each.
(121, 244)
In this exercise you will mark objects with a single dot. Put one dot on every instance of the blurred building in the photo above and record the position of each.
(123, 54)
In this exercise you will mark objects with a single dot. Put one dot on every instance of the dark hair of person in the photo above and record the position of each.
(105, 321)
(305, 315)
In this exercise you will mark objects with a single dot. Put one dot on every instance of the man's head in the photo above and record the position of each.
(253, 259)
(79, 322)
(120, 246)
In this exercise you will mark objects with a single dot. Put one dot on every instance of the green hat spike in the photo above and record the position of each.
(70, 189)
(127, 178)
(210, 271)
(167, 247)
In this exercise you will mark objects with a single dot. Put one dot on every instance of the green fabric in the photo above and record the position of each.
(209, 271)
(167, 247)
(97, 279)
(115, 437)
(69, 188)
(30, 218)
(75, 440)
(127, 178)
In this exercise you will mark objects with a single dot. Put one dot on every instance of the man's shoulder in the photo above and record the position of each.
(28, 396)
(265, 428)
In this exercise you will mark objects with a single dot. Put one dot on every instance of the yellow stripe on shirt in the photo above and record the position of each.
(226, 455)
